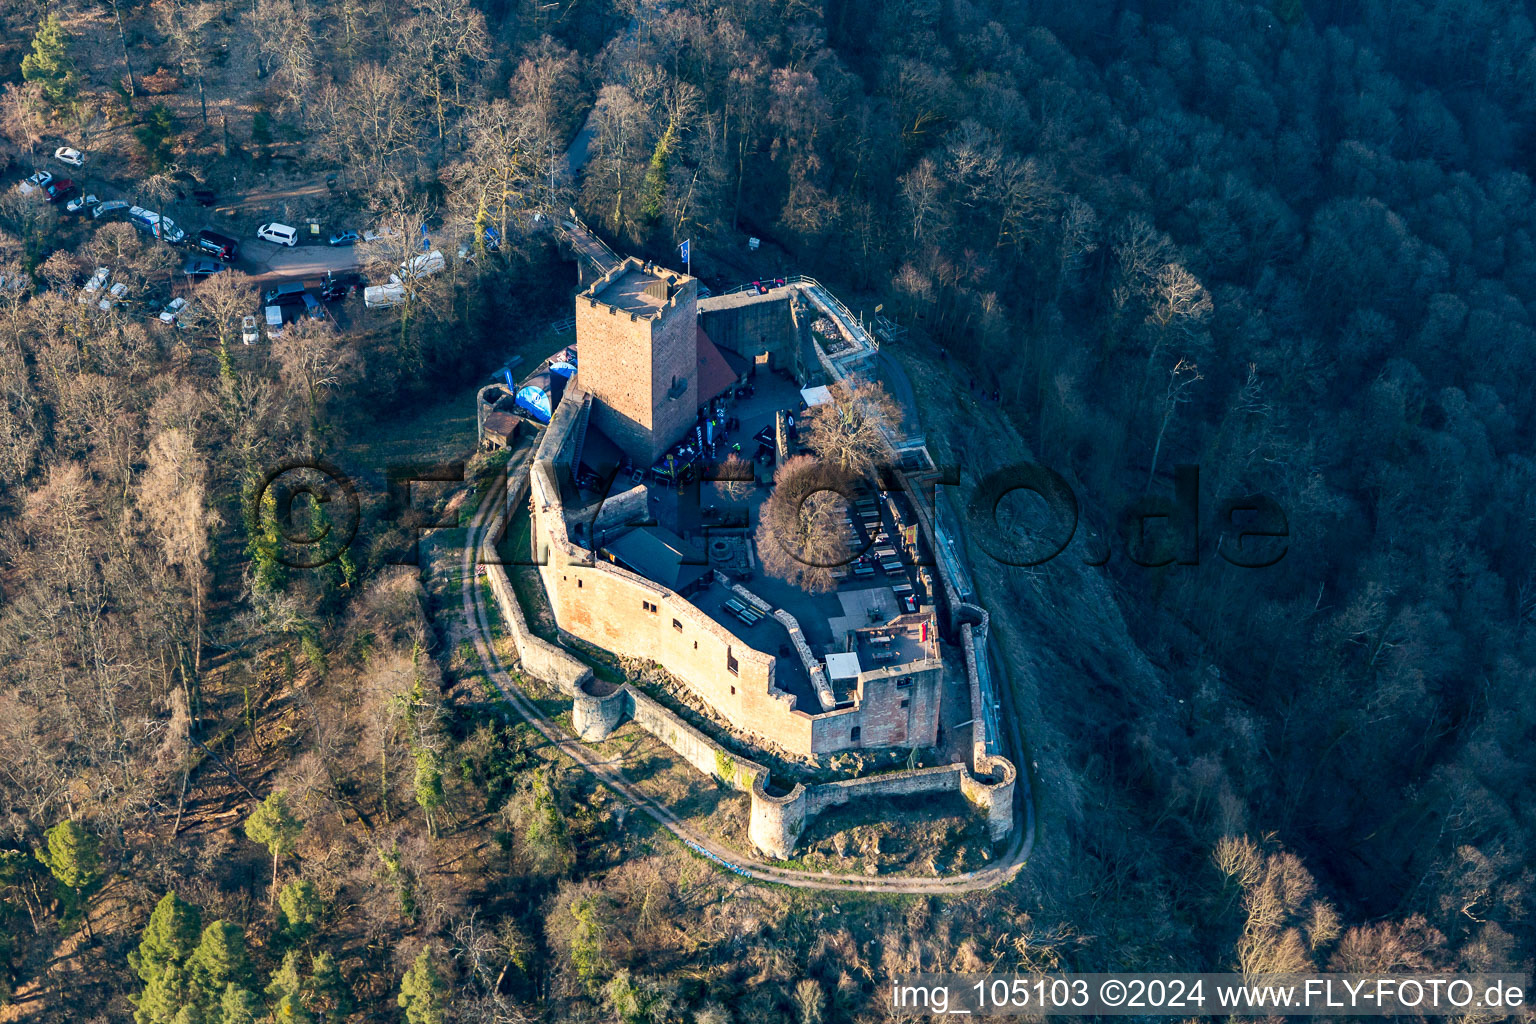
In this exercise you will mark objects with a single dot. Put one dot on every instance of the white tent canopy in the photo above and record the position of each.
(816, 396)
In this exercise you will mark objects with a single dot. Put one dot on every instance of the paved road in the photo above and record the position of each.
(1020, 845)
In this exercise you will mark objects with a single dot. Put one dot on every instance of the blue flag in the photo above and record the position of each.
(682, 250)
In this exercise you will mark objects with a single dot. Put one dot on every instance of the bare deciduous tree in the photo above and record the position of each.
(852, 431)
(800, 534)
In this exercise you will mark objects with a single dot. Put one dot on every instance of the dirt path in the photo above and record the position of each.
(1019, 848)
(264, 261)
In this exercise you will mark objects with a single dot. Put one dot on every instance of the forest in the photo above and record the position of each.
(1290, 243)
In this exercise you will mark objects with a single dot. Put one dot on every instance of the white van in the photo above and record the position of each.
(421, 266)
(377, 296)
(280, 234)
(153, 223)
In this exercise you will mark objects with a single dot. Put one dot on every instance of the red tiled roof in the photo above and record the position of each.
(715, 374)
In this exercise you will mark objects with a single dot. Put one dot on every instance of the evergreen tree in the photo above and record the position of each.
(332, 995)
(168, 939)
(167, 990)
(285, 993)
(423, 992)
(274, 826)
(155, 136)
(429, 787)
(268, 574)
(298, 910)
(48, 64)
(73, 855)
(219, 961)
(239, 1006)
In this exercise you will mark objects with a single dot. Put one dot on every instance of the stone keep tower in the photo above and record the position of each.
(637, 332)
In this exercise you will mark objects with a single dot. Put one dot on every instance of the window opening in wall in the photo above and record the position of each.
(853, 736)
(649, 607)
(733, 691)
(677, 625)
(903, 682)
(731, 665)
(906, 703)
(578, 584)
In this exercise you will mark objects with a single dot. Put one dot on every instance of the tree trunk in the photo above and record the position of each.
(122, 37)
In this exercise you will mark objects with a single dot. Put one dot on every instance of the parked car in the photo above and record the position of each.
(172, 310)
(39, 179)
(378, 233)
(205, 196)
(421, 266)
(159, 226)
(202, 268)
(95, 284)
(59, 188)
(313, 308)
(117, 293)
(278, 234)
(344, 238)
(288, 293)
(221, 246)
(109, 207)
(274, 322)
(250, 334)
(80, 204)
(73, 157)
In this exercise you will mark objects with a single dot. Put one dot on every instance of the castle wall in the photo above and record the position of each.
(611, 607)
(750, 325)
(775, 822)
(619, 510)
(883, 720)
(539, 657)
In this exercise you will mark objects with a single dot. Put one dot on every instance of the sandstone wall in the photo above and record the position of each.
(750, 325)
(629, 362)
(775, 822)
(619, 611)
(539, 657)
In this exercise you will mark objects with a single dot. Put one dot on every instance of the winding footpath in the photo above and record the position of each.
(478, 622)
